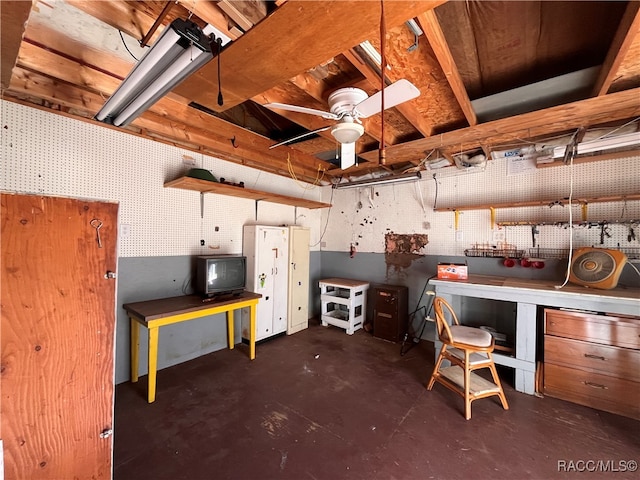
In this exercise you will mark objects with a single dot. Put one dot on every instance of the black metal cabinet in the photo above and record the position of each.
(390, 311)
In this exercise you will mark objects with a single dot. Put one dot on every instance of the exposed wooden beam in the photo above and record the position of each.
(56, 65)
(210, 13)
(245, 13)
(13, 18)
(283, 45)
(251, 147)
(429, 23)
(119, 15)
(593, 111)
(627, 31)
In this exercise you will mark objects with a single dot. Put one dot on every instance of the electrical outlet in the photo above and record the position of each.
(459, 236)
(125, 230)
(499, 236)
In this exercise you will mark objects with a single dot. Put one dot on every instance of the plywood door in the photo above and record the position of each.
(298, 279)
(58, 317)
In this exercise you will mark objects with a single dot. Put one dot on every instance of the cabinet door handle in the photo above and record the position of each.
(597, 357)
(596, 385)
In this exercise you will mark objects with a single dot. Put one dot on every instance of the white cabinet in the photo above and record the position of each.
(267, 252)
(298, 279)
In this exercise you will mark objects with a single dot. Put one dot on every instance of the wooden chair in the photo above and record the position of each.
(468, 349)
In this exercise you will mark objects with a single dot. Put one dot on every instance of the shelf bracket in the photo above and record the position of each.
(493, 217)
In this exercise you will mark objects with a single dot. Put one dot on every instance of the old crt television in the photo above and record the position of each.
(221, 274)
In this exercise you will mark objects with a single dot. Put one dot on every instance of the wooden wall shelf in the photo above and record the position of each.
(205, 186)
(541, 203)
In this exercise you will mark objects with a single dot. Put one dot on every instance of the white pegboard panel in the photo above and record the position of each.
(398, 208)
(49, 154)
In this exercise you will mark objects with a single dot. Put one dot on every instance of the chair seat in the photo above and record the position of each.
(470, 336)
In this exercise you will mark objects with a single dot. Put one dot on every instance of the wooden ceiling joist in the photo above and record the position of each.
(13, 19)
(429, 23)
(627, 31)
(265, 56)
(594, 111)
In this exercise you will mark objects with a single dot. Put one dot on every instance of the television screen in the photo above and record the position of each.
(220, 274)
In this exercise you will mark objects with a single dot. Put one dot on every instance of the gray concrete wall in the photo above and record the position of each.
(414, 270)
(147, 278)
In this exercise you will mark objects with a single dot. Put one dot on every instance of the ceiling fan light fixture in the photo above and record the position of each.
(347, 132)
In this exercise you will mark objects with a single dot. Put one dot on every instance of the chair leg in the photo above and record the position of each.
(436, 369)
(467, 386)
(496, 380)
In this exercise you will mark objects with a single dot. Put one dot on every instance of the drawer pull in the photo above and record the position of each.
(597, 357)
(596, 385)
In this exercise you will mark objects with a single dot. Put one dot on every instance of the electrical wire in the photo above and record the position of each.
(126, 47)
(293, 175)
(566, 280)
(327, 222)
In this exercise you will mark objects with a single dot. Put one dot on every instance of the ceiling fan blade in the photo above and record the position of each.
(347, 155)
(295, 108)
(298, 137)
(394, 94)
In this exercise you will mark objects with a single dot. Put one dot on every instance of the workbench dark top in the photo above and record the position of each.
(166, 307)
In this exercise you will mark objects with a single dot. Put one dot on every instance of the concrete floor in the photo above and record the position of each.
(324, 405)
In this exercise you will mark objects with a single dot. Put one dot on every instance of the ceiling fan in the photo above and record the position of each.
(347, 106)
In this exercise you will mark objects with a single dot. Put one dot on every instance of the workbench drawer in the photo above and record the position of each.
(603, 392)
(603, 329)
(614, 361)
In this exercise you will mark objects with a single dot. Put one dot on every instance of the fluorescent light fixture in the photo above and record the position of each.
(403, 178)
(606, 143)
(181, 50)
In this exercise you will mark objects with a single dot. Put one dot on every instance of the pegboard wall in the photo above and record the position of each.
(363, 216)
(48, 154)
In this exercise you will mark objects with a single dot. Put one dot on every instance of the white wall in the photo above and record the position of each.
(409, 208)
(51, 154)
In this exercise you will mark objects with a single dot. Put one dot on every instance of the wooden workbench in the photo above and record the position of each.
(528, 295)
(154, 314)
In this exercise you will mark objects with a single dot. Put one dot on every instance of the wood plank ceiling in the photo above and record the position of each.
(298, 52)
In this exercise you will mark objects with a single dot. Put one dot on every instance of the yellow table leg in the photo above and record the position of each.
(230, 328)
(153, 362)
(135, 348)
(252, 333)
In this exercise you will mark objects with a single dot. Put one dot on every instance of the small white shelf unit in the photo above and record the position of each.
(344, 303)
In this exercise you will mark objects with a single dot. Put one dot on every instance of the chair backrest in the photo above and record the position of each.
(444, 312)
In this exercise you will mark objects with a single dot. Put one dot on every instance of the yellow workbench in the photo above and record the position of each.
(154, 314)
